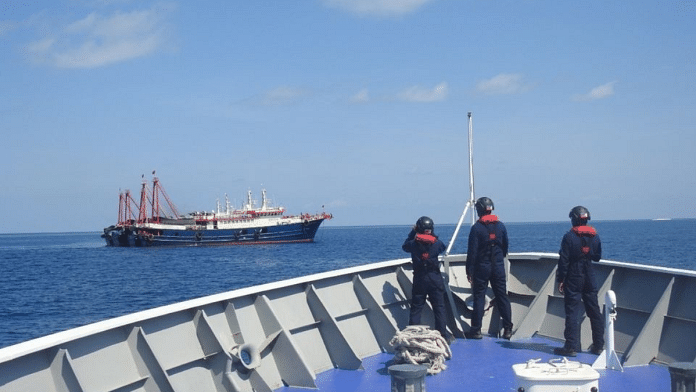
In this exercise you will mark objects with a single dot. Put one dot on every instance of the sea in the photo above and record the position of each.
(51, 282)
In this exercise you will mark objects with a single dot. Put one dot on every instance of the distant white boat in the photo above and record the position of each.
(662, 219)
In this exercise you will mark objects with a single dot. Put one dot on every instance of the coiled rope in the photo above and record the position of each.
(417, 344)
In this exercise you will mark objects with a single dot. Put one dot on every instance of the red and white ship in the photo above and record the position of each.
(165, 226)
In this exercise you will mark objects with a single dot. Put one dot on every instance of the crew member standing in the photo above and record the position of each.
(576, 281)
(425, 247)
(485, 262)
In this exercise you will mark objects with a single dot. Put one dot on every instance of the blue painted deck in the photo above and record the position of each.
(486, 365)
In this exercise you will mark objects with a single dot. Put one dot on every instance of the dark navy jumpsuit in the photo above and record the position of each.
(485, 262)
(427, 279)
(580, 246)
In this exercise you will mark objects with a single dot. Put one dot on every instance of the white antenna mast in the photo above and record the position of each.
(472, 199)
(469, 204)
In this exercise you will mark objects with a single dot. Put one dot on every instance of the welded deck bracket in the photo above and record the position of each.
(405, 282)
(382, 326)
(210, 342)
(233, 322)
(293, 368)
(63, 372)
(342, 354)
(645, 347)
(147, 361)
(532, 321)
(454, 319)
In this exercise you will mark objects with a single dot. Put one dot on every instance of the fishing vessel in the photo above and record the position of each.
(334, 331)
(163, 225)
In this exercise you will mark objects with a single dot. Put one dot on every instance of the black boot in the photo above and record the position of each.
(596, 349)
(473, 334)
(565, 351)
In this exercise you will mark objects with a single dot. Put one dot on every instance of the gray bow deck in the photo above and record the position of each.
(345, 319)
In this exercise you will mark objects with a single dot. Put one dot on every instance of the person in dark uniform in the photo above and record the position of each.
(576, 281)
(485, 262)
(425, 247)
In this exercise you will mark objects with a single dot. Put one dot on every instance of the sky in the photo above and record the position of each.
(358, 107)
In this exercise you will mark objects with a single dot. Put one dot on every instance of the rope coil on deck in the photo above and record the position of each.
(417, 344)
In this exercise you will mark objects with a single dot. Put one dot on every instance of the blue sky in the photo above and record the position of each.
(359, 106)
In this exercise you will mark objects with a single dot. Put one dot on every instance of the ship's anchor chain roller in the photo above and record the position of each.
(243, 359)
(248, 355)
(417, 344)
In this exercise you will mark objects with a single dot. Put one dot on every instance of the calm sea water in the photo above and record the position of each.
(53, 282)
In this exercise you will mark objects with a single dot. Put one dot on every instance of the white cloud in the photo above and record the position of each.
(420, 94)
(6, 26)
(41, 45)
(98, 40)
(361, 96)
(599, 92)
(337, 203)
(502, 84)
(283, 95)
(377, 7)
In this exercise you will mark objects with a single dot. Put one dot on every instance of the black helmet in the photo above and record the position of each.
(579, 215)
(484, 206)
(424, 225)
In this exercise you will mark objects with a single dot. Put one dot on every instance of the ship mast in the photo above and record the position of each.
(157, 191)
(142, 215)
(472, 199)
(469, 204)
(121, 208)
(124, 207)
(250, 202)
(128, 213)
(155, 199)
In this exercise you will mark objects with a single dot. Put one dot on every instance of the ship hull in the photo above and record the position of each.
(134, 236)
(346, 320)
